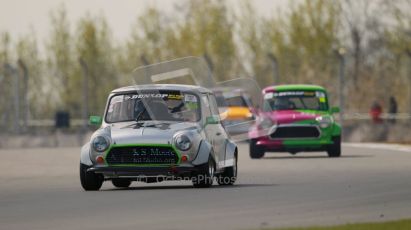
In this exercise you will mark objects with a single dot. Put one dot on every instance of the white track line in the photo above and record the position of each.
(394, 147)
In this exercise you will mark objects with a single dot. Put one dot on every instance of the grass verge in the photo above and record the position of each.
(391, 225)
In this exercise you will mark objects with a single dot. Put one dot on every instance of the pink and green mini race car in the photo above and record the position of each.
(295, 118)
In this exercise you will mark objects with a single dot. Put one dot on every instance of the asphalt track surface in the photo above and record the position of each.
(40, 189)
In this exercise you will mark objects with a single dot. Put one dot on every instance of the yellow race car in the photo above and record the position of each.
(235, 108)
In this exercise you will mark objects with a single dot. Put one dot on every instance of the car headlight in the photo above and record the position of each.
(100, 143)
(183, 142)
(324, 122)
(264, 122)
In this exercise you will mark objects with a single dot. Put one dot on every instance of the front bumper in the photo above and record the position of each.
(160, 171)
(289, 145)
(294, 144)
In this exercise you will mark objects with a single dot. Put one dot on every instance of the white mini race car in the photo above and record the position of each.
(157, 132)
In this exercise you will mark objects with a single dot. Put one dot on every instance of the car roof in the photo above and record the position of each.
(292, 87)
(178, 87)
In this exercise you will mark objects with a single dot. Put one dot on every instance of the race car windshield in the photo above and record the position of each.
(159, 105)
(237, 101)
(295, 100)
(230, 100)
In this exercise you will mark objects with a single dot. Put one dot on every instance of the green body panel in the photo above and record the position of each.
(325, 138)
(336, 130)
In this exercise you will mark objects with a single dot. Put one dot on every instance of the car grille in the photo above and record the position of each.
(142, 155)
(295, 132)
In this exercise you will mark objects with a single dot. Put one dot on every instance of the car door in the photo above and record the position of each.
(210, 130)
(220, 134)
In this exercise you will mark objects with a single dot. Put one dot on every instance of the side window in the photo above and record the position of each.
(207, 111)
(213, 105)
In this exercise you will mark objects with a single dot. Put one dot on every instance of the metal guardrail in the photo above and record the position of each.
(350, 116)
(366, 116)
(52, 122)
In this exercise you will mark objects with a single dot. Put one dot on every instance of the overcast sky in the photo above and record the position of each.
(18, 16)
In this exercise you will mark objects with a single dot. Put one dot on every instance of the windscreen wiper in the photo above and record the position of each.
(138, 117)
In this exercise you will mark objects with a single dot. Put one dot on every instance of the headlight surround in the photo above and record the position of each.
(324, 121)
(182, 142)
(101, 143)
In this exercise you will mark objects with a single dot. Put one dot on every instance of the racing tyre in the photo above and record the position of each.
(256, 152)
(334, 150)
(90, 181)
(229, 176)
(205, 178)
(121, 182)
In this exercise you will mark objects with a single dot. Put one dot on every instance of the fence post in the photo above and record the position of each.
(13, 72)
(408, 52)
(144, 60)
(85, 112)
(23, 66)
(341, 85)
(274, 63)
(210, 65)
(3, 115)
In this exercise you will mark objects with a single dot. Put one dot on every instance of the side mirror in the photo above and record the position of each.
(212, 120)
(335, 109)
(95, 120)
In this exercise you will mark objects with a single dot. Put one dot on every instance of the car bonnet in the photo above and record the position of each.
(293, 116)
(160, 133)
